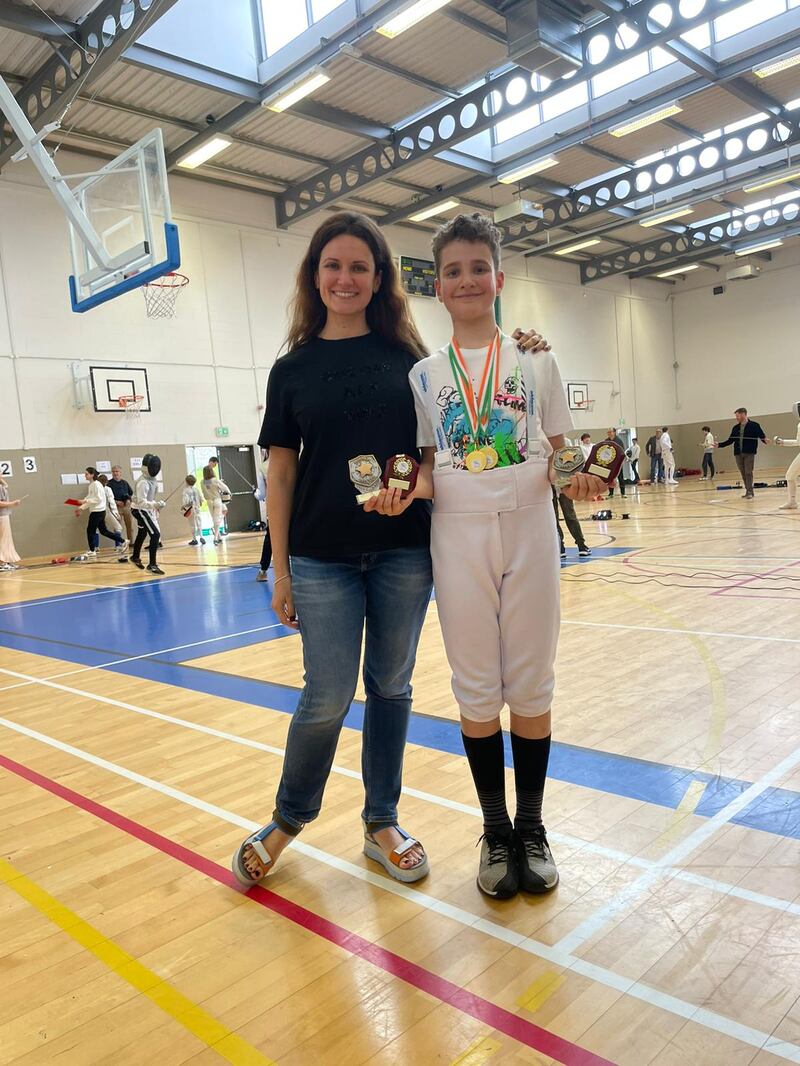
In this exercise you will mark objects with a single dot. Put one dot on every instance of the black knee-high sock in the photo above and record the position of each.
(530, 773)
(487, 763)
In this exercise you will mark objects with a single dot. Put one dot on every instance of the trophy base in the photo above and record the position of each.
(364, 496)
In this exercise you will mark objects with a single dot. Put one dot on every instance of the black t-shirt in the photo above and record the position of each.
(333, 400)
(120, 490)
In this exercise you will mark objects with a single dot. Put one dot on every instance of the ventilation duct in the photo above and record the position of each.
(542, 38)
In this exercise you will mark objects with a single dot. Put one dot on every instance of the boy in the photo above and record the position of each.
(489, 418)
(192, 506)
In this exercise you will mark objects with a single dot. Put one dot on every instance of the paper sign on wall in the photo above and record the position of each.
(103, 466)
(136, 462)
(6, 470)
(69, 479)
(29, 464)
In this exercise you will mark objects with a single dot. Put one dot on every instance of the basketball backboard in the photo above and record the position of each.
(109, 383)
(127, 205)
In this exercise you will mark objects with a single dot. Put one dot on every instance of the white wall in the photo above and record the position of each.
(209, 366)
(741, 348)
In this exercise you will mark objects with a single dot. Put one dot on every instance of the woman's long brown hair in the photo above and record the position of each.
(388, 316)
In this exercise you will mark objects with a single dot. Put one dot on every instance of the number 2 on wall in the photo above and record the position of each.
(5, 468)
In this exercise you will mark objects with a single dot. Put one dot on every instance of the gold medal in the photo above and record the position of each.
(492, 458)
(475, 461)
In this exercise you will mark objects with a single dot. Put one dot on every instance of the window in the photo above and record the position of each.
(620, 74)
(286, 19)
(565, 101)
(521, 123)
(747, 16)
(282, 23)
(321, 8)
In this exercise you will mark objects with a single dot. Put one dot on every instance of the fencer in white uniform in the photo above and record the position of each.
(793, 473)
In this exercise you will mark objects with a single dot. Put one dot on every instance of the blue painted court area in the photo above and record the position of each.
(168, 624)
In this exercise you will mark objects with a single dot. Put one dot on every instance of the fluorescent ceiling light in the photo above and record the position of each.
(577, 247)
(641, 121)
(657, 220)
(758, 247)
(436, 209)
(769, 183)
(309, 83)
(678, 270)
(410, 16)
(524, 171)
(777, 66)
(206, 151)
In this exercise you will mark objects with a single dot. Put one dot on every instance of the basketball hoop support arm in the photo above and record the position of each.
(33, 148)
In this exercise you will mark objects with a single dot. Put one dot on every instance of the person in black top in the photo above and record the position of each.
(338, 406)
(611, 434)
(123, 494)
(744, 437)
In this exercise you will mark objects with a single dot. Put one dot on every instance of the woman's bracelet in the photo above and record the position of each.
(286, 577)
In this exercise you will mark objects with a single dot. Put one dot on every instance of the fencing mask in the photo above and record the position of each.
(152, 464)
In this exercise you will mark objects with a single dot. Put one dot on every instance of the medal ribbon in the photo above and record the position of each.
(477, 408)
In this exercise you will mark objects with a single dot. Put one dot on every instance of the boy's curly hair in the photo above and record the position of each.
(475, 228)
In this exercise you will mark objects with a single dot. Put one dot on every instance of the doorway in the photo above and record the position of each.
(237, 468)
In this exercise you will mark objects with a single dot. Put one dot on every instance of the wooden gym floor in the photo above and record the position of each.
(141, 730)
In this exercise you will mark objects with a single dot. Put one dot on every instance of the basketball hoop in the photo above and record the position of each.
(161, 295)
(131, 405)
(584, 405)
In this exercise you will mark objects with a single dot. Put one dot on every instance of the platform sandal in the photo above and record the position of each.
(256, 842)
(391, 862)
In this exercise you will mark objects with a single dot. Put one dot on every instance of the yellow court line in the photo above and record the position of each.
(478, 1052)
(188, 1014)
(540, 991)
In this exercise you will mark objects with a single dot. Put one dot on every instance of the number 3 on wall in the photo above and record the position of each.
(29, 464)
(5, 468)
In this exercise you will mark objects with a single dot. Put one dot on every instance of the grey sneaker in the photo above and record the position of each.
(261, 575)
(498, 876)
(537, 868)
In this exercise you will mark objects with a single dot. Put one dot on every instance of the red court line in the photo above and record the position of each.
(440, 988)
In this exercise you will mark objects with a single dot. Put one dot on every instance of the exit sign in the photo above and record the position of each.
(222, 431)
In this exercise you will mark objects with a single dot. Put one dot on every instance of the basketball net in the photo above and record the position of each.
(132, 406)
(161, 295)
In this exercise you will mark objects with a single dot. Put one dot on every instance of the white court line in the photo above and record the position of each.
(129, 659)
(682, 632)
(592, 925)
(723, 887)
(108, 589)
(554, 955)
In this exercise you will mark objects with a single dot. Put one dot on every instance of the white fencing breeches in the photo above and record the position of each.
(217, 516)
(195, 520)
(496, 572)
(792, 474)
(669, 464)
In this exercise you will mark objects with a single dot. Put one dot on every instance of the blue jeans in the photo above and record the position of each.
(390, 591)
(656, 468)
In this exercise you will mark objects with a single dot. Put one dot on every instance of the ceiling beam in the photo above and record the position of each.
(35, 24)
(475, 25)
(598, 197)
(446, 126)
(47, 94)
(696, 243)
(382, 65)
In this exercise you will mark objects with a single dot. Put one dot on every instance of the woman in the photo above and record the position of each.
(8, 553)
(96, 503)
(216, 494)
(338, 406)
